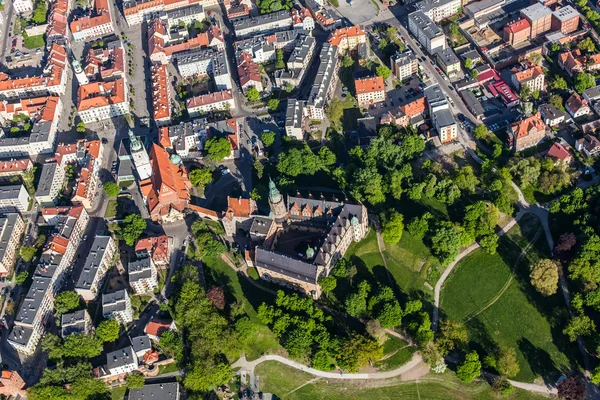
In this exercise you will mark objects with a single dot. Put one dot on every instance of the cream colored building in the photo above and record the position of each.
(11, 230)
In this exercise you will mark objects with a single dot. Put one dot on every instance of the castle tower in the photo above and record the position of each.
(276, 203)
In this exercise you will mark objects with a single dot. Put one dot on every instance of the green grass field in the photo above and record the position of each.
(492, 294)
(118, 393)
(290, 384)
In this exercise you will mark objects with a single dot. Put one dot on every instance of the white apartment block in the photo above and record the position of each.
(122, 361)
(14, 198)
(117, 305)
(206, 62)
(262, 24)
(97, 264)
(51, 182)
(218, 101)
(426, 32)
(438, 10)
(22, 6)
(11, 230)
(404, 65)
(294, 119)
(142, 275)
(324, 83)
(187, 15)
(77, 322)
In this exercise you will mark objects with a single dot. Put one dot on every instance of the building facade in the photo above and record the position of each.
(11, 232)
(117, 305)
(142, 275)
(97, 263)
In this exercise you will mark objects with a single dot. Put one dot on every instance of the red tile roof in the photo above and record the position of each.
(101, 94)
(558, 151)
(369, 85)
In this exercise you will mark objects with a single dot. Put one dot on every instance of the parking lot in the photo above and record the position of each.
(19, 56)
(409, 92)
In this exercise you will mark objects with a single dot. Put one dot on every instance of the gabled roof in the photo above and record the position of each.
(558, 152)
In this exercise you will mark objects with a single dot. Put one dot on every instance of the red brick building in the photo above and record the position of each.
(565, 19)
(526, 133)
(517, 32)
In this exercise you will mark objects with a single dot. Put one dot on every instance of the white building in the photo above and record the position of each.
(206, 62)
(117, 305)
(22, 6)
(98, 101)
(262, 24)
(438, 10)
(324, 83)
(14, 198)
(122, 361)
(77, 322)
(218, 101)
(142, 275)
(140, 157)
(51, 182)
(89, 27)
(11, 229)
(185, 137)
(294, 119)
(426, 32)
(97, 264)
(187, 15)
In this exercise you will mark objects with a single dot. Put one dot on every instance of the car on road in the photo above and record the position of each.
(432, 63)
(225, 171)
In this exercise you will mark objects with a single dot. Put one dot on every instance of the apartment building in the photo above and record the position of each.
(404, 65)
(565, 20)
(12, 386)
(98, 101)
(14, 198)
(97, 263)
(324, 83)
(369, 90)
(218, 101)
(448, 62)
(206, 62)
(551, 115)
(89, 155)
(517, 32)
(22, 6)
(427, 33)
(445, 125)
(186, 15)
(52, 179)
(577, 106)
(90, 27)
(248, 73)
(104, 64)
(157, 248)
(15, 166)
(142, 275)
(529, 75)
(262, 48)
(164, 391)
(117, 305)
(348, 39)
(120, 362)
(11, 232)
(539, 17)
(526, 133)
(297, 64)
(302, 18)
(262, 24)
(185, 137)
(294, 119)
(161, 94)
(138, 11)
(438, 10)
(76, 323)
(58, 27)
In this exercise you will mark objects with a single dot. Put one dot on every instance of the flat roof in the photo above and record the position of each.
(536, 11)
(425, 25)
(565, 13)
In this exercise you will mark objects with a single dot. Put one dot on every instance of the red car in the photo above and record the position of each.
(438, 70)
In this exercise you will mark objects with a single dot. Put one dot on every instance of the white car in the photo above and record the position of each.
(225, 171)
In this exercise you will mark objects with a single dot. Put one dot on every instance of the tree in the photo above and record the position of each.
(279, 63)
(557, 102)
(201, 177)
(481, 132)
(374, 328)
(107, 331)
(393, 228)
(217, 148)
(390, 315)
(580, 325)
(273, 104)
(171, 345)
(327, 157)
(111, 189)
(356, 303)
(81, 127)
(322, 361)
(357, 352)
(268, 138)
(527, 108)
(347, 61)
(383, 44)
(555, 47)
(584, 81)
(587, 45)
(565, 244)
(206, 374)
(445, 244)
(474, 73)
(252, 94)
(525, 170)
(595, 375)
(525, 92)
(502, 386)
(466, 179)
(132, 228)
(39, 14)
(535, 94)
(452, 334)
(21, 277)
(468, 63)
(470, 368)
(544, 277)
(28, 253)
(328, 284)
(66, 301)
(558, 83)
(135, 380)
(216, 295)
(81, 346)
(300, 161)
(52, 344)
(507, 363)
(571, 389)
(419, 226)
(383, 71)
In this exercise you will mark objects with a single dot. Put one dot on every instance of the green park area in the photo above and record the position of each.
(288, 383)
(493, 296)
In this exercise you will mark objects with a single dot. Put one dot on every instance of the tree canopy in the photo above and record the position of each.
(108, 331)
(66, 301)
(217, 148)
(201, 177)
(132, 228)
(111, 189)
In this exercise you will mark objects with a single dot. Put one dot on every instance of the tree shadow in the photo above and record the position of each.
(539, 360)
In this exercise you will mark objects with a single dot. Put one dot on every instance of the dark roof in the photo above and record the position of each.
(141, 343)
(74, 322)
(114, 302)
(120, 358)
(286, 265)
(157, 391)
(261, 225)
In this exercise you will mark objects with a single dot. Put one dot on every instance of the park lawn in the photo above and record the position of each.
(519, 318)
(34, 42)
(290, 384)
(367, 251)
(111, 209)
(118, 393)
(238, 289)
(400, 357)
(168, 368)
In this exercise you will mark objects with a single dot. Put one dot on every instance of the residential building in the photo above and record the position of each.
(156, 327)
(239, 215)
(438, 10)
(89, 155)
(325, 18)
(448, 62)
(427, 33)
(22, 6)
(265, 23)
(294, 119)
(348, 39)
(559, 154)
(517, 32)
(117, 305)
(478, 9)
(415, 107)
(77, 322)
(530, 76)
(51, 182)
(142, 275)
(15, 166)
(551, 115)
(248, 73)
(184, 138)
(98, 101)
(235, 12)
(11, 232)
(97, 263)
(444, 123)
(206, 62)
(369, 90)
(565, 20)
(436, 100)
(302, 18)
(589, 145)
(14, 198)
(539, 17)
(297, 63)
(186, 15)
(262, 48)
(138, 11)
(90, 27)
(394, 117)
(592, 94)
(577, 106)
(57, 31)
(526, 133)
(167, 191)
(156, 247)
(141, 346)
(11, 384)
(217, 101)
(472, 103)
(163, 391)
(404, 65)
(573, 62)
(324, 84)
(228, 129)
(120, 362)
(262, 227)
(161, 94)
(103, 64)
(499, 88)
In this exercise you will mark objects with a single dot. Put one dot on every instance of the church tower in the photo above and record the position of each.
(276, 203)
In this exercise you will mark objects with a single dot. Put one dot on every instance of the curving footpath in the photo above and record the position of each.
(249, 366)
